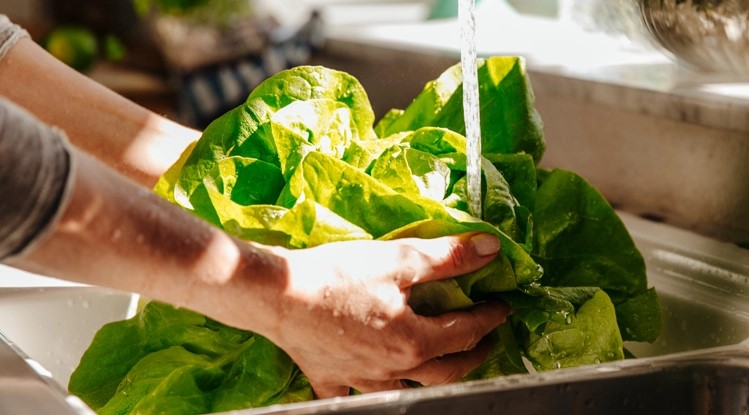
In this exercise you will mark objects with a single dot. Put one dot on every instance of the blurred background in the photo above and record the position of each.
(195, 59)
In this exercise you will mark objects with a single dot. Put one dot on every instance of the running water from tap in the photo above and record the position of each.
(467, 21)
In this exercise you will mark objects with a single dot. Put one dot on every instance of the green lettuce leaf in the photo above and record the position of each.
(248, 131)
(580, 241)
(310, 224)
(506, 358)
(407, 170)
(171, 360)
(300, 164)
(589, 335)
(509, 120)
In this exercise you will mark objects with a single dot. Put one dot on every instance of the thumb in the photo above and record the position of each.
(451, 256)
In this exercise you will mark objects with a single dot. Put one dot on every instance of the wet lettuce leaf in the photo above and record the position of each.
(301, 163)
(509, 121)
(171, 360)
(588, 334)
(248, 130)
(580, 241)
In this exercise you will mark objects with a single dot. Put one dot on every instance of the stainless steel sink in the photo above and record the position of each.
(25, 387)
(699, 365)
(714, 381)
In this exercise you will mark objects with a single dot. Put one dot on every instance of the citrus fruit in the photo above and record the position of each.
(75, 46)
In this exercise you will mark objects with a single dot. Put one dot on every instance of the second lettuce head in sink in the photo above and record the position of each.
(303, 163)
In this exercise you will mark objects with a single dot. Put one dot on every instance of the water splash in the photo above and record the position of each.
(467, 18)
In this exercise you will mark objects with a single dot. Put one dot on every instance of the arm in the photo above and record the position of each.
(339, 310)
(121, 133)
(115, 234)
(99, 228)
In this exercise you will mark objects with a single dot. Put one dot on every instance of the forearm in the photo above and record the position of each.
(115, 234)
(121, 133)
(108, 231)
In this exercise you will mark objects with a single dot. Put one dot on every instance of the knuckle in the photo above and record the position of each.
(456, 256)
(473, 337)
(471, 342)
(412, 352)
(450, 375)
(380, 373)
(439, 253)
(408, 254)
(415, 357)
(418, 351)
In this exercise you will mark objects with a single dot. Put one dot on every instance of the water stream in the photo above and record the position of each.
(467, 20)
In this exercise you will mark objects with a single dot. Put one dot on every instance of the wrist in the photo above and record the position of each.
(239, 283)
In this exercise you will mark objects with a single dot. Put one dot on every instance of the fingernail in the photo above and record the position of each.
(485, 244)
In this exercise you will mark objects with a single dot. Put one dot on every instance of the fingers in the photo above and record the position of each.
(447, 257)
(323, 392)
(450, 368)
(452, 345)
(458, 331)
(413, 341)
(329, 391)
(440, 370)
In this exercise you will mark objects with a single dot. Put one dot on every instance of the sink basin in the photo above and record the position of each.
(714, 381)
(699, 365)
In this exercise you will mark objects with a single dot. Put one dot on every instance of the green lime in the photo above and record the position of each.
(114, 49)
(76, 46)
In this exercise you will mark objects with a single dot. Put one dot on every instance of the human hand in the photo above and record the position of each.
(344, 316)
(340, 310)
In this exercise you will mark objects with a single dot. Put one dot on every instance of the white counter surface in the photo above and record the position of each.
(12, 277)
(616, 71)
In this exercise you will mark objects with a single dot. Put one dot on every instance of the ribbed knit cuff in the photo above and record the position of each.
(10, 33)
(35, 175)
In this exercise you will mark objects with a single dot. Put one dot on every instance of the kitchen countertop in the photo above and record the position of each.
(13, 278)
(612, 69)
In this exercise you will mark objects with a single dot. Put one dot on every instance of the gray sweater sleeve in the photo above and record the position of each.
(10, 33)
(35, 170)
(35, 167)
